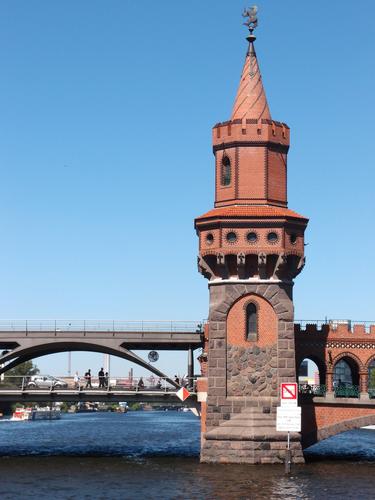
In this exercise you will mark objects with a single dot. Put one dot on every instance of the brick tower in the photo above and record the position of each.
(251, 247)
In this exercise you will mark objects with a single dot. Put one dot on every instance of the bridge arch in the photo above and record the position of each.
(20, 355)
(320, 434)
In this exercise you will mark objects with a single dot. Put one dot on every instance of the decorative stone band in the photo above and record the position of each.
(338, 344)
(274, 268)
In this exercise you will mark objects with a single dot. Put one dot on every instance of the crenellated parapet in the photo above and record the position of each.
(337, 330)
(328, 343)
(262, 132)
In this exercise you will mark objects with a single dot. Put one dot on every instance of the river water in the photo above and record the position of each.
(154, 455)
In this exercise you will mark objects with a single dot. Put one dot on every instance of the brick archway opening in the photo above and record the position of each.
(346, 371)
(316, 366)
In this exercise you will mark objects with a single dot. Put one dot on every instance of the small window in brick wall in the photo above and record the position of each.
(251, 322)
(226, 174)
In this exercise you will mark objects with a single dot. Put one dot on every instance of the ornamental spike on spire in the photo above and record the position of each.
(251, 101)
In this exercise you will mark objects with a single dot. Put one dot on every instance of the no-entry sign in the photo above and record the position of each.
(288, 394)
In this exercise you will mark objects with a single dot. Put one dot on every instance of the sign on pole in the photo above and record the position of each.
(288, 419)
(288, 394)
(182, 393)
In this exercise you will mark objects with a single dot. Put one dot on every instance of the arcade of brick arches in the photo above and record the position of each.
(251, 247)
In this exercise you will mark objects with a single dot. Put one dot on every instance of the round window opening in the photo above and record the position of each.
(272, 237)
(293, 238)
(231, 237)
(252, 237)
(210, 238)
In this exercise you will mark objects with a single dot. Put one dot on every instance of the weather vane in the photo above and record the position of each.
(252, 20)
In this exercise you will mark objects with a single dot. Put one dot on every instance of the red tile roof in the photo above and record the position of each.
(251, 211)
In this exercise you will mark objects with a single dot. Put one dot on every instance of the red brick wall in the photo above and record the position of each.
(252, 174)
(267, 322)
(329, 344)
(276, 176)
(320, 421)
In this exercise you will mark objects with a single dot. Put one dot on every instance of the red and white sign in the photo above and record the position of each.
(288, 394)
(183, 393)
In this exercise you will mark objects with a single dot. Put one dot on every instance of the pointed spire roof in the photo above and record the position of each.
(251, 100)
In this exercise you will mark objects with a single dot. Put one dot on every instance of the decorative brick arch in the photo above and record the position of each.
(236, 321)
(351, 356)
(368, 362)
(251, 362)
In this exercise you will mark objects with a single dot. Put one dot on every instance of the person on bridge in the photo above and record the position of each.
(76, 381)
(101, 379)
(88, 379)
(141, 384)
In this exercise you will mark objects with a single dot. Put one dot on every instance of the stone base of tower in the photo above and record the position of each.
(250, 437)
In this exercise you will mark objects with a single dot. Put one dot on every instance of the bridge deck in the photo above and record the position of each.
(93, 395)
(168, 335)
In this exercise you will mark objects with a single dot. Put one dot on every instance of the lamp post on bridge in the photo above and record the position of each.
(190, 367)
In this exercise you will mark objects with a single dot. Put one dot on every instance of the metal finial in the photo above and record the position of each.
(252, 21)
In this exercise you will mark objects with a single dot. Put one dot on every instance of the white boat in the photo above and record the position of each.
(23, 414)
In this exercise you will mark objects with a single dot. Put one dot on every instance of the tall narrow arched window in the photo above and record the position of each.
(251, 322)
(226, 173)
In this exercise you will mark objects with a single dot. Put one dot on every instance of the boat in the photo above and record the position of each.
(24, 414)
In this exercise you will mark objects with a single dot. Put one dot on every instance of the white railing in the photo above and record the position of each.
(106, 383)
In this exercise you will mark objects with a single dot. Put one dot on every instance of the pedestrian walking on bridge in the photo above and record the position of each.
(88, 379)
(101, 379)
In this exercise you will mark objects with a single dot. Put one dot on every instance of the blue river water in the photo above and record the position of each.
(156, 455)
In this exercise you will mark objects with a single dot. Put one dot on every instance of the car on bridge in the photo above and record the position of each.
(45, 382)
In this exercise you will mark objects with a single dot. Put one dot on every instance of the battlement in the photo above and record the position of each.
(251, 130)
(337, 329)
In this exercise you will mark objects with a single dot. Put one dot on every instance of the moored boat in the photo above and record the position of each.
(24, 414)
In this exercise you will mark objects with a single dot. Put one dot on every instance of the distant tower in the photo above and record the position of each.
(251, 247)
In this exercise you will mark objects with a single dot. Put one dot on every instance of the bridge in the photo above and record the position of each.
(344, 353)
(326, 408)
(23, 340)
(24, 389)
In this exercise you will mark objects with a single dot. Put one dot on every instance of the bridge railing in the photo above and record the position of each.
(340, 391)
(312, 389)
(32, 383)
(60, 325)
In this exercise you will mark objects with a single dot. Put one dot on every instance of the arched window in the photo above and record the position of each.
(251, 322)
(226, 173)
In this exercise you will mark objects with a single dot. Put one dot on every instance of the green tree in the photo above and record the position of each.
(16, 374)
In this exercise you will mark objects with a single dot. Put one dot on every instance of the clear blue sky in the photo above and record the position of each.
(106, 111)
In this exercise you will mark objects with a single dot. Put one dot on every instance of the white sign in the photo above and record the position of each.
(288, 394)
(288, 419)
